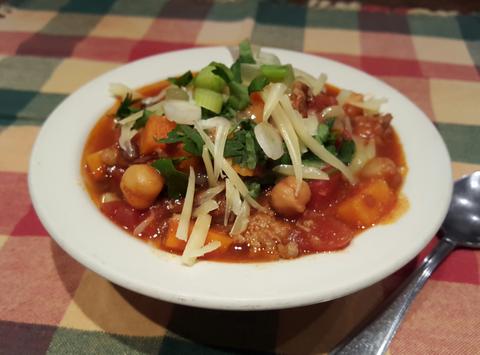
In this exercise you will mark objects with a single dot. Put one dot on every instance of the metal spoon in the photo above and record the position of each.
(461, 228)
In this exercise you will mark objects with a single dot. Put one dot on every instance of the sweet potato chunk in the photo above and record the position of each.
(96, 165)
(157, 127)
(369, 204)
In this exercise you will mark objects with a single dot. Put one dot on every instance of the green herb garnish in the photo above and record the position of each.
(182, 80)
(142, 121)
(244, 148)
(258, 84)
(126, 109)
(254, 189)
(192, 142)
(346, 151)
(176, 181)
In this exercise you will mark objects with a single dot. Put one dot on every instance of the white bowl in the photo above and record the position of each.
(76, 224)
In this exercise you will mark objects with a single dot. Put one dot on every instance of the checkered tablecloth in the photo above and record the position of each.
(48, 48)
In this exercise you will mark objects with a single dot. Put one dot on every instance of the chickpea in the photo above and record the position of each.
(141, 185)
(283, 197)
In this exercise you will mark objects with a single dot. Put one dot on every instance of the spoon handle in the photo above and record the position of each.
(375, 338)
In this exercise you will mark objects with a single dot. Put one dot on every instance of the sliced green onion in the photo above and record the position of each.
(175, 93)
(277, 73)
(249, 72)
(208, 80)
(208, 99)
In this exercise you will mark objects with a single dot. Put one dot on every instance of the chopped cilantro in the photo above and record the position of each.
(192, 142)
(322, 133)
(346, 151)
(244, 148)
(125, 109)
(176, 181)
(254, 188)
(222, 71)
(239, 98)
(142, 121)
(258, 84)
(182, 80)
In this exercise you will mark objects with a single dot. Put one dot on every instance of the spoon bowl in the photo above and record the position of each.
(462, 224)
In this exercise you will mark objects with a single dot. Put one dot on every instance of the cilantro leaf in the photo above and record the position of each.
(176, 181)
(251, 156)
(239, 98)
(182, 80)
(125, 109)
(254, 188)
(222, 71)
(322, 133)
(346, 151)
(142, 121)
(258, 84)
(244, 148)
(192, 142)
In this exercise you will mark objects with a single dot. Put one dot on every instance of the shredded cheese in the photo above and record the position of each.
(316, 148)
(121, 91)
(208, 248)
(240, 185)
(210, 193)
(241, 222)
(271, 95)
(233, 202)
(291, 140)
(309, 172)
(197, 239)
(365, 150)
(207, 161)
(311, 124)
(186, 215)
(125, 140)
(222, 127)
(315, 84)
(206, 207)
(343, 96)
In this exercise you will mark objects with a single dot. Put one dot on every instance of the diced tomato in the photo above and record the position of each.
(122, 214)
(323, 191)
(321, 101)
(324, 233)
